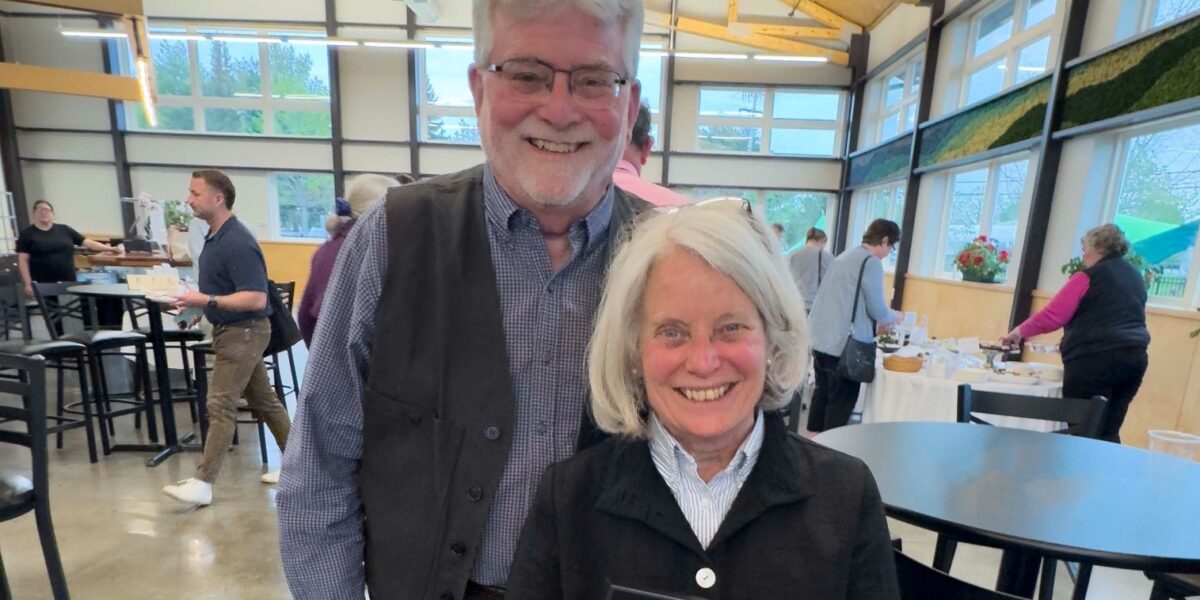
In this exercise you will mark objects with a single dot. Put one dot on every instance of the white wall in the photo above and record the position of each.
(897, 29)
(171, 183)
(84, 196)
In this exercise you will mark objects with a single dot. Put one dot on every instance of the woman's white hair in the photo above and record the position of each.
(628, 13)
(361, 192)
(731, 241)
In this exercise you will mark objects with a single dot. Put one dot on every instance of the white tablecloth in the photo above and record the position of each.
(895, 396)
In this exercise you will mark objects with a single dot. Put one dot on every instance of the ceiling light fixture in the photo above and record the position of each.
(398, 44)
(320, 42)
(785, 58)
(712, 55)
(186, 37)
(94, 34)
(252, 39)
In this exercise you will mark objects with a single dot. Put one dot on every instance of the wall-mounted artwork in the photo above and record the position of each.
(1014, 117)
(881, 163)
(1153, 71)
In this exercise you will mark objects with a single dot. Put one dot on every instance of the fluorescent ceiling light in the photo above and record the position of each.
(320, 42)
(784, 58)
(93, 33)
(461, 47)
(1032, 69)
(712, 55)
(398, 44)
(247, 95)
(253, 39)
(178, 36)
(653, 53)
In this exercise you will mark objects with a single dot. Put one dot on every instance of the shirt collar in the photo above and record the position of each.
(506, 216)
(220, 232)
(671, 458)
(627, 167)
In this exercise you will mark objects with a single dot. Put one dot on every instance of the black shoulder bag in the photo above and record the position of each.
(857, 362)
(284, 331)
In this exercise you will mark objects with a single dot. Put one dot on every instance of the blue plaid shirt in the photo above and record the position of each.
(547, 322)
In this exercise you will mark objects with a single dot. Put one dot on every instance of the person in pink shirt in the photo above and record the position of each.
(1102, 311)
(628, 175)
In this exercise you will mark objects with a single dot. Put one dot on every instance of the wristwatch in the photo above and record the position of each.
(212, 302)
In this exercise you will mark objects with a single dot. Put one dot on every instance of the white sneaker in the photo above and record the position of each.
(191, 490)
(270, 477)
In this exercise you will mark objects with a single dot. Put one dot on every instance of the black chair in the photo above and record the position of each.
(922, 582)
(57, 306)
(201, 352)
(19, 495)
(173, 339)
(1174, 586)
(287, 292)
(1084, 417)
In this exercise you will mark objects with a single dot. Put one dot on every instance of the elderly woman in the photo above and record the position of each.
(361, 192)
(809, 264)
(1102, 311)
(701, 492)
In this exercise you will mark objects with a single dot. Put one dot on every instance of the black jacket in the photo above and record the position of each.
(1112, 313)
(807, 524)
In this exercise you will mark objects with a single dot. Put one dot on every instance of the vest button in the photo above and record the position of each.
(458, 548)
(492, 433)
(475, 493)
(706, 578)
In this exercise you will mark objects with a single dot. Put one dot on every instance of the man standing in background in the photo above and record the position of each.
(628, 175)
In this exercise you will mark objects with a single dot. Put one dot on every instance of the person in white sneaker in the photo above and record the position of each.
(233, 294)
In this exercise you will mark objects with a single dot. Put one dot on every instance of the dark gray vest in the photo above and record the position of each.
(439, 410)
(1111, 314)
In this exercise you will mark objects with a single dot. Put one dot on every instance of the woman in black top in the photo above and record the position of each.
(46, 250)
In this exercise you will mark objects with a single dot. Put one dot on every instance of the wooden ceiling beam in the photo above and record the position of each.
(815, 33)
(68, 81)
(822, 14)
(103, 7)
(764, 42)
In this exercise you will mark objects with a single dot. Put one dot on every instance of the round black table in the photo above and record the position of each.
(173, 443)
(1060, 496)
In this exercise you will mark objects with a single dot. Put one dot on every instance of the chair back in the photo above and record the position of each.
(923, 582)
(30, 385)
(1083, 416)
(12, 306)
(287, 293)
(57, 305)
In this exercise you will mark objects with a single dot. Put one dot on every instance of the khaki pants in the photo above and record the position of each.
(238, 371)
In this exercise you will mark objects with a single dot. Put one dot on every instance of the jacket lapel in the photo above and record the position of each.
(781, 476)
(634, 490)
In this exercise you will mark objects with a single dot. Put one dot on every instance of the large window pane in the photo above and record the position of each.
(298, 72)
(810, 142)
(172, 67)
(232, 120)
(453, 130)
(797, 212)
(915, 84)
(229, 69)
(1169, 10)
(730, 139)
(806, 105)
(1006, 208)
(301, 202)
(446, 77)
(732, 103)
(995, 27)
(910, 117)
(650, 73)
(1031, 61)
(966, 207)
(888, 129)
(1158, 205)
(985, 82)
(1038, 11)
(170, 118)
(303, 123)
(895, 90)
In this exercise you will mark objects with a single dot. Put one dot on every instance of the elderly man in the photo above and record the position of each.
(628, 175)
(447, 369)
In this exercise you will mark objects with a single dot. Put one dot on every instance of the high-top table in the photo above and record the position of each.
(1058, 496)
(173, 443)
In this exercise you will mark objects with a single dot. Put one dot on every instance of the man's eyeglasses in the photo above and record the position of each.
(531, 80)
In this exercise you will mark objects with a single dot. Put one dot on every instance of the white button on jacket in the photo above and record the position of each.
(705, 578)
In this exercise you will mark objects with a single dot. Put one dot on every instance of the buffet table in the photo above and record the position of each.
(895, 396)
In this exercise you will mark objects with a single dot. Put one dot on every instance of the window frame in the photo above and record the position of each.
(273, 217)
(986, 212)
(199, 103)
(1007, 52)
(758, 205)
(908, 68)
(1148, 11)
(860, 202)
(767, 122)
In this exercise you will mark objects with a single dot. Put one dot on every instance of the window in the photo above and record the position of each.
(1009, 42)
(1157, 204)
(795, 210)
(234, 87)
(779, 121)
(299, 203)
(899, 94)
(886, 202)
(1161, 12)
(984, 200)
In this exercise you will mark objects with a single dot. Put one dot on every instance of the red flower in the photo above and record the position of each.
(1004, 256)
(963, 258)
(991, 247)
(978, 260)
(982, 238)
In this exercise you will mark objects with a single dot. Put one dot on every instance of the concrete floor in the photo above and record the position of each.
(121, 538)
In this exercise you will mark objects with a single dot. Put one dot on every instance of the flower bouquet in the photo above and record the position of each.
(981, 260)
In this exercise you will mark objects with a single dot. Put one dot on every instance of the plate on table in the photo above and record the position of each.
(1015, 379)
(160, 297)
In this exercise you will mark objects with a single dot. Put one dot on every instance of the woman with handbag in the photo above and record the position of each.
(845, 314)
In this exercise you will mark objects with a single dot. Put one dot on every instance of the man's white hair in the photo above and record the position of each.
(628, 13)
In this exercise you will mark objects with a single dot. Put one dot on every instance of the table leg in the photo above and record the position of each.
(943, 553)
(1046, 588)
(1081, 581)
(173, 443)
(1018, 572)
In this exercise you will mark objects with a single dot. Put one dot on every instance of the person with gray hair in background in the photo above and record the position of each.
(447, 371)
(361, 192)
(702, 492)
(1102, 312)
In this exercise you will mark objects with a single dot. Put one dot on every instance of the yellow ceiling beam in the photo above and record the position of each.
(104, 7)
(822, 14)
(731, 16)
(67, 81)
(774, 44)
(815, 33)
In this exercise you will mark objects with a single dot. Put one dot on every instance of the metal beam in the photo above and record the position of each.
(774, 44)
(10, 155)
(414, 124)
(821, 14)
(104, 7)
(1046, 178)
(116, 131)
(859, 45)
(68, 81)
(335, 101)
(933, 42)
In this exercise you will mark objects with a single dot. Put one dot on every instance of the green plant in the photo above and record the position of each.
(177, 213)
(981, 259)
(1148, 271)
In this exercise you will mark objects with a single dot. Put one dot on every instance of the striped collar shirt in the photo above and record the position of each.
(703, 504)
